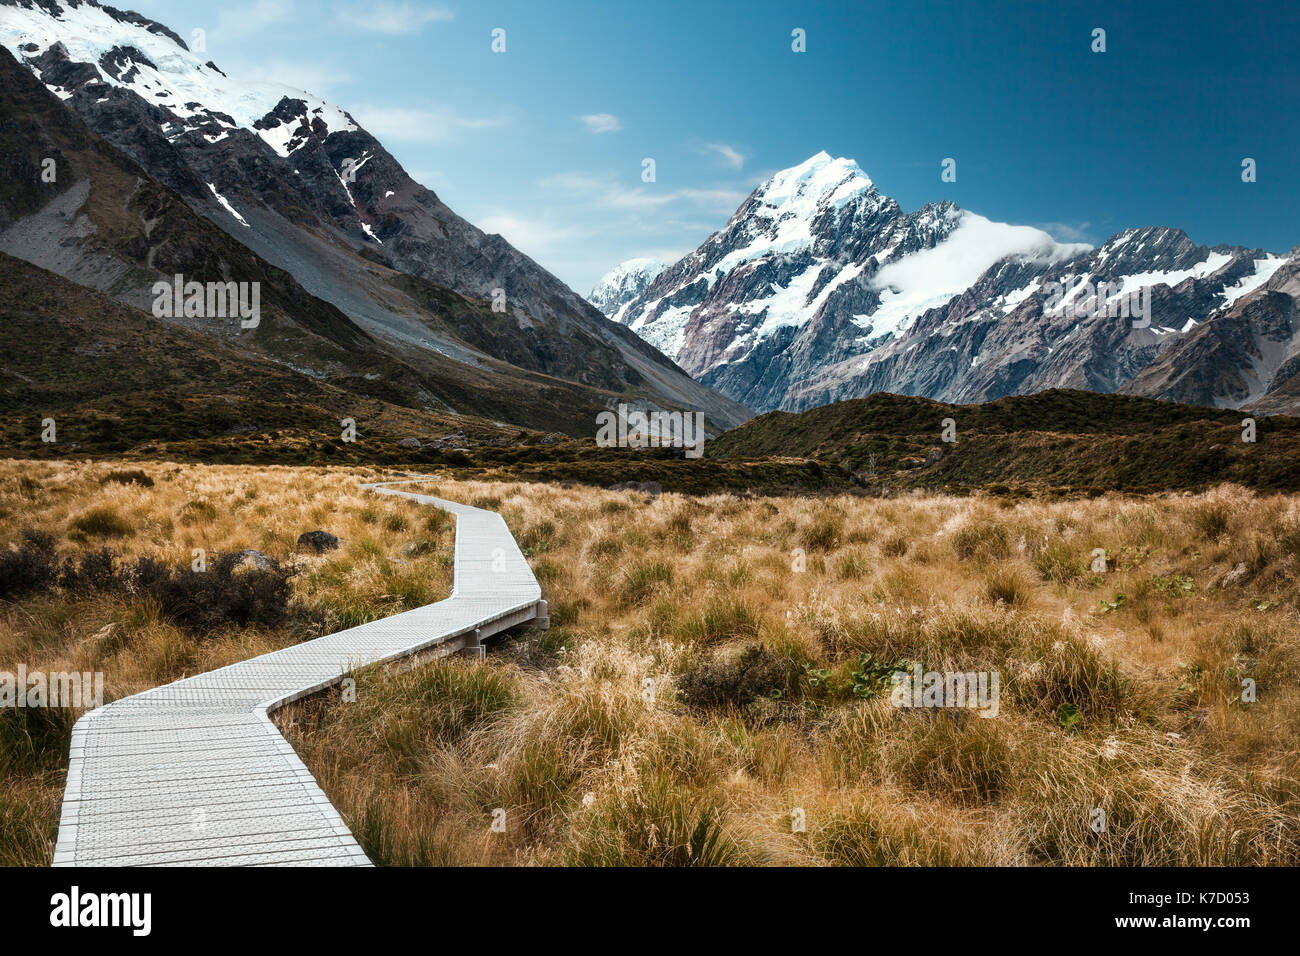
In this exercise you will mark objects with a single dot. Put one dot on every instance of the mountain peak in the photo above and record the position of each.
(820, 179)
(79, 43)
(623, 283)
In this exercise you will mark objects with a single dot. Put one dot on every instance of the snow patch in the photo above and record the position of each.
(229, 208)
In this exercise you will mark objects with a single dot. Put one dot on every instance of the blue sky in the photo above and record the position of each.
(544, 143)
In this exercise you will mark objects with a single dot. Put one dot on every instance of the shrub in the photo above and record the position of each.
(226, 593)
(101, 522)
(92, 571)
(757, 672)
(30, 567)
(130, 477)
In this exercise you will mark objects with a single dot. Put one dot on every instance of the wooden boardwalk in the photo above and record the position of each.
(194, 773)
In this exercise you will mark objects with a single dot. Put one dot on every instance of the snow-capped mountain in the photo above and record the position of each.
(623, 283)
(299, 182)
(821, 288)
(68, 43)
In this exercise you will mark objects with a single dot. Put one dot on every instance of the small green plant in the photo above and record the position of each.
(873, 676)
(1188, 691)
(1115, 605)
(1068, 716)
(1174, 584)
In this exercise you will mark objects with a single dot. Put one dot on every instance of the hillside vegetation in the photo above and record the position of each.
(1059, 440)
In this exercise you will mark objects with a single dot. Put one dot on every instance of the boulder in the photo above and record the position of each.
(318, 541)
(253, 559)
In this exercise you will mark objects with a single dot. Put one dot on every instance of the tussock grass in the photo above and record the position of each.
(700, 684)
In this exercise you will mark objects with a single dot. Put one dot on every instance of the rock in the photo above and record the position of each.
(456, 440)
(1234, 576)
(933, 456)
(409, 443)
(255, 559)
(318, 541)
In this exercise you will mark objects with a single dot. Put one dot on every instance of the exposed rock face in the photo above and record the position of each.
(820, 288)
(300, 183)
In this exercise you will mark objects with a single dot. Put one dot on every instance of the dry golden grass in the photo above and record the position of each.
(394, 556)
(583, 736)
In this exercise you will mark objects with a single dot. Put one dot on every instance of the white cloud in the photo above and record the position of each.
(392, 17)
(252, 17)
(438, 124)
(607, 192)
(601, 123)
(535, 237)
(730, 157)
(1070, 232)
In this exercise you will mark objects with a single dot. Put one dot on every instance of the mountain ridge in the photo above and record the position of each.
(820, 288)
(301, 184)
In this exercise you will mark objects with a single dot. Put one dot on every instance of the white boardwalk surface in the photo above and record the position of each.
(194, 773)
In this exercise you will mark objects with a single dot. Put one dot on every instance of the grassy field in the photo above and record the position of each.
(714, 687)
(393, 556)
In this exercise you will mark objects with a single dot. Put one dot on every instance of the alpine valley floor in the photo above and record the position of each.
(714, 686)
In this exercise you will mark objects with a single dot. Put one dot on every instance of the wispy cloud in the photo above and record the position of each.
(435, 124)
(392, 17)
(1067, 231)
(729, 156)
(601, 123)
(534, 236)
(253, 17)
(609, 193)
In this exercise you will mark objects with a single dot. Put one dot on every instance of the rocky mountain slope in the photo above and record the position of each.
(115, 379)
(622, 284)
(300, 184)
(821, 288)
(105, 224)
